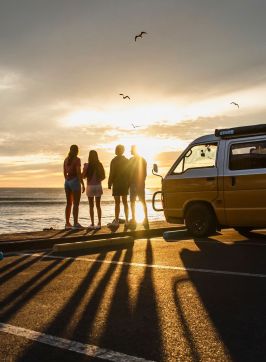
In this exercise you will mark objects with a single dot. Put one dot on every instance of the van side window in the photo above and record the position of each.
(198, 156)
(247, 155)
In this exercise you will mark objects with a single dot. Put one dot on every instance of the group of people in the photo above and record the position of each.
(127, 176)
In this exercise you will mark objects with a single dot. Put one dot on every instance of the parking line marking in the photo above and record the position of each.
(70, 345)
(154, 266)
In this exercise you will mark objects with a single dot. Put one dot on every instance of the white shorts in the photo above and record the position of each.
(94, 190)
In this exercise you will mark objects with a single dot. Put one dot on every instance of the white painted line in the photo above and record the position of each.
(83, 348)
(154, 266)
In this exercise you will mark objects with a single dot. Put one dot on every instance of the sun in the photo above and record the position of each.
(147, 147)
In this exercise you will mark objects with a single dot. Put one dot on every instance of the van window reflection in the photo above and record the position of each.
(198, 156)
(247, 155)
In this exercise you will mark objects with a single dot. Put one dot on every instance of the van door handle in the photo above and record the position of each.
(210, 178)
(233, 179)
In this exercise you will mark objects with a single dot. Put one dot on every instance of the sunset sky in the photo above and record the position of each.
(64, 62)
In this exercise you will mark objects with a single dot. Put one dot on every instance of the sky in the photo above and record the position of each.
(63, 64)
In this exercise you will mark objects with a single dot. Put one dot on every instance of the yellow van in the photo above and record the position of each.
(218, 181)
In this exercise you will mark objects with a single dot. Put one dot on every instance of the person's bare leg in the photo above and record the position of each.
(117, 207)
(143, 202)
(133, 210)
(124, 200)
(69, 199)
(76, 200)
(91, 203)
(99, 210)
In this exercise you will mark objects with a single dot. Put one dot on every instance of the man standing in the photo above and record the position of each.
(138, 173)
(119, 182)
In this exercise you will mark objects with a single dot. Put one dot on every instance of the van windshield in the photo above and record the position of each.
(198, 156)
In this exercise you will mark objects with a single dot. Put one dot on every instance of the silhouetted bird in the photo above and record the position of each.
(140, 35)
(134, 126)
(235, 104)
(124, 97)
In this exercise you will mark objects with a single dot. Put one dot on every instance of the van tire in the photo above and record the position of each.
(200, 220)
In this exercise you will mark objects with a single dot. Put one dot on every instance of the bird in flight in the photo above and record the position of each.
(124, 97)
(235, 104)
(134, 126)
(140, 35)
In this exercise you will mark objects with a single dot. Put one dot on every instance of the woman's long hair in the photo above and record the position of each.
(73, 152)
(95, 166)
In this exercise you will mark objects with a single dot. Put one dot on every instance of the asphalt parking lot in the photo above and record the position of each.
(175, 300)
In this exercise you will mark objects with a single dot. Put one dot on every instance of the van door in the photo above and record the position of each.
(194, 177)
(245, 182)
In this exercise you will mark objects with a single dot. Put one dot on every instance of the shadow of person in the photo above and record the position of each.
(26, 292)
(13, 263)
(234, 302)
(187, 330)
(132, 325)
(71, 312)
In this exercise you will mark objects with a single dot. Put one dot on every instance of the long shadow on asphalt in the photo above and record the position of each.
(21, 299)
(235, 304)
(4, 278)
(70, 312)
(132, 327)
(13, 263)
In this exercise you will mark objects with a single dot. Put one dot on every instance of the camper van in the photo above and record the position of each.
(218, 181)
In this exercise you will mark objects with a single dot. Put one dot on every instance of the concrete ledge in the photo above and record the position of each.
(46, 240)
(93, 244)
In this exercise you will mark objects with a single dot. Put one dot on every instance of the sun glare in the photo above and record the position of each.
(147, 147)
(139, 212)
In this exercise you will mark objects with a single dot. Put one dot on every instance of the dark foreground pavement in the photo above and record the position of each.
(181, 300)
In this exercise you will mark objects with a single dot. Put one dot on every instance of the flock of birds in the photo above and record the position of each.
(140, 35)
(124, 96)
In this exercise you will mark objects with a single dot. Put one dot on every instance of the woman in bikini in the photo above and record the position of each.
(74, 185)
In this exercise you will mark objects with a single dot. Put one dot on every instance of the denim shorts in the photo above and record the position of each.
(72, 185)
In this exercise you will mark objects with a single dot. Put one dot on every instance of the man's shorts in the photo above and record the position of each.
(72, 185)
(120, 189)
(137, 191)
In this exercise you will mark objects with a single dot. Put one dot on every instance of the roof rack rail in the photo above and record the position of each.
(244, 131)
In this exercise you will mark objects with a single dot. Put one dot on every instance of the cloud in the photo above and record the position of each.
(191, 49)
(9, 80)
(61, 58)
(188, 130)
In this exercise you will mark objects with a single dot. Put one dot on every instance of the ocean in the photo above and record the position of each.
(33, 209)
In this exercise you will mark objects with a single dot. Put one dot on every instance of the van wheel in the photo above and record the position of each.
(243, 230)
(200, 220)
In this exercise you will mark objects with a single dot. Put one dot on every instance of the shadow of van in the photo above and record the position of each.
(235, 303)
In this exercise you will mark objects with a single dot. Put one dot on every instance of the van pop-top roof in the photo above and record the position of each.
(244, 131)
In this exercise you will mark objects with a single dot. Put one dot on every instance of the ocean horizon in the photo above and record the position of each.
(33, 209)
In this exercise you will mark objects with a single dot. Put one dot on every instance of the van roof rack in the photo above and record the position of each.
(244, 131)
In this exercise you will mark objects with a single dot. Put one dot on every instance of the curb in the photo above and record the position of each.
(48, 243)
(93, 244)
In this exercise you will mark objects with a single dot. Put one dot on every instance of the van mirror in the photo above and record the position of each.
(155, 168)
